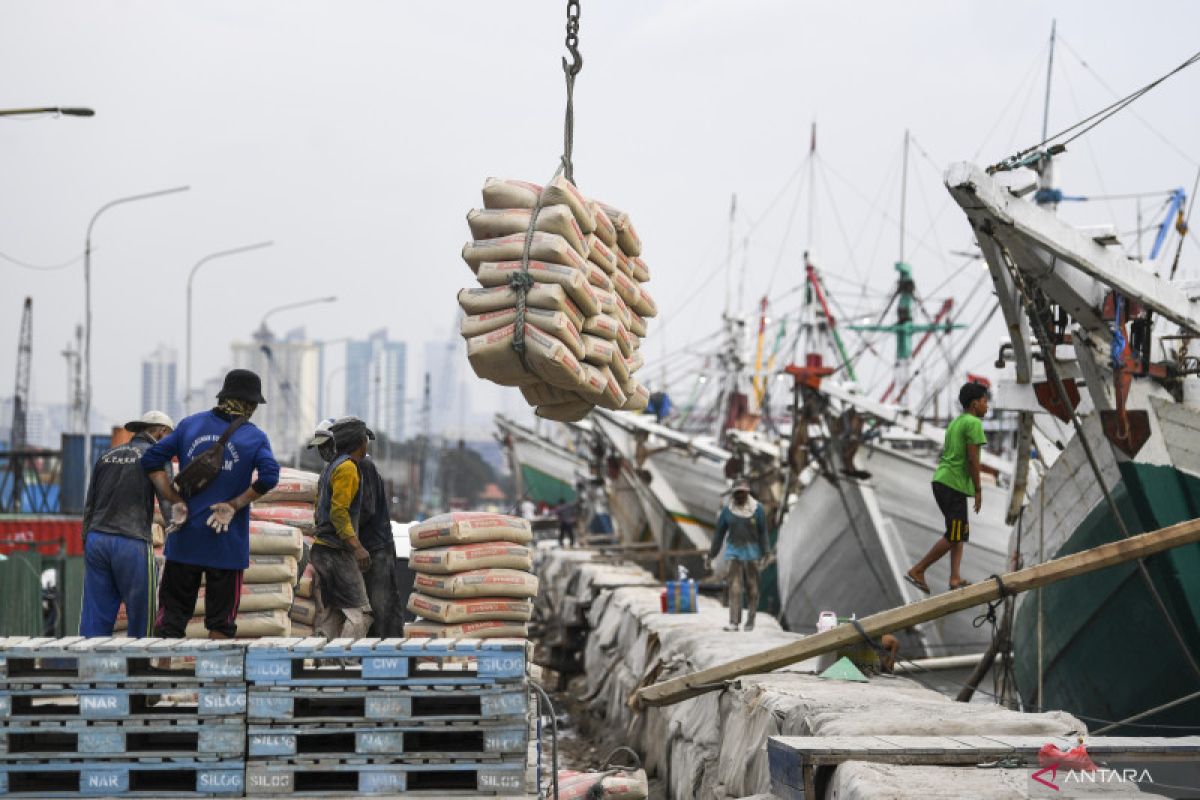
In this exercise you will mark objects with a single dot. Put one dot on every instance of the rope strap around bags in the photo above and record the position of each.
(989, 615)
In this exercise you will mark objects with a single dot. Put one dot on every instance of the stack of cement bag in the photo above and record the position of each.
(586, 308)
(473, 576)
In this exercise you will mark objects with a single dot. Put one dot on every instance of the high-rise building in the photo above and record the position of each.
(159, 388)
(375, 383)
(289, 370)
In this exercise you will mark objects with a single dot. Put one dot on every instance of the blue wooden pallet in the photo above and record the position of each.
(80, 660)
(402, 741)
(78, 739)
(183, 778)
(131, 702)
(398, 704)
(367, 662)
(312, 778)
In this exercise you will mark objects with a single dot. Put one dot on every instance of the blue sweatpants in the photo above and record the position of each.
(118, 570)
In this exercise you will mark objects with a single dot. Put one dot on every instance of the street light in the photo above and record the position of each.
(87, 316)
(187, 391)
(63, 112)
(262, 326)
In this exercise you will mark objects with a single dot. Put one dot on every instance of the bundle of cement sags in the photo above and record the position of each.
(586, 309)
(473, 576)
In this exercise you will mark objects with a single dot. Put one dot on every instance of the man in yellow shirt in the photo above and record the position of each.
(338, 557)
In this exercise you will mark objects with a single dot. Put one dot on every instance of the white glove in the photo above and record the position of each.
(221, 517)
(179, 515)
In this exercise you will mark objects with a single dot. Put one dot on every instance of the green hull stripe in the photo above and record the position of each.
(543, 488)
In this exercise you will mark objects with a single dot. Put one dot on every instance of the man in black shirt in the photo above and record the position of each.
(375, 533)
(118, 550)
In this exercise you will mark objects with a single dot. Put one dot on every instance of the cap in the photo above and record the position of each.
(148, 420)
(349, 430)
(321, 434)
(740, 486)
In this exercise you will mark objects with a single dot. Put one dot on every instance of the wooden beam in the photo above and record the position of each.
(1106, 555)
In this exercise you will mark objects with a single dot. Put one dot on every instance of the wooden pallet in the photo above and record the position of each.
(182, 778)
(79, 660)
(21, 703)
(316, 778)
(79, 739)
(403, 741)
(367, 662)
(796, 762)
(387, 703)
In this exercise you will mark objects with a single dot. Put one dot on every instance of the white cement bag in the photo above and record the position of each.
(638, 270)
(635, 362)
(453, 612)
(555, 323)
(634, 295)
(468, 527)
(537, 394)
(273, 539)
(623, 314)
(304, 611)
(270, 569)
(619, 369)
(491, 629)
(503, 193)
(463, 557)
(295, 486)
(492, 358)
(571, 411)
(621, 786)
(256, 597)
(607, 301)
(597, 277)
(625, 264)
(494, 223)
(601, 325)
(304, 586)
(636, 324)
(597, 351)
(605, 230)
(549, 296)
(543, 247)
(638, 399)
(250, 625)
(624, 340)
(297, 515)
(600, 254)
(601, 388)
(574, 282)
(301, 631)
(627, 238)
(478, 583)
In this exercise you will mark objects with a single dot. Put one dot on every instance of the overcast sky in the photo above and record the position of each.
(357, 136)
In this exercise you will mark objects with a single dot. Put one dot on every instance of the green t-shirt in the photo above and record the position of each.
(953, 469)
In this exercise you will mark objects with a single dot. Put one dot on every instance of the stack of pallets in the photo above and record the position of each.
(373, 716)
(130, 717)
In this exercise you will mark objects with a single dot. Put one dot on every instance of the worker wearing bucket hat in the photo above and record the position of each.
(118, 516)
(744, 522)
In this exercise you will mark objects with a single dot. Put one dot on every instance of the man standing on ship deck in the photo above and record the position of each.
(956, 479)
(745, 522)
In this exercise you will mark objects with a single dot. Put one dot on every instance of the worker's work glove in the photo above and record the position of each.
(221, 517)
(179, 515)
(362, 557)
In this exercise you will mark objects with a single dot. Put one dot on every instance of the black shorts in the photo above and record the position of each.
(953, 504)
(177, 591)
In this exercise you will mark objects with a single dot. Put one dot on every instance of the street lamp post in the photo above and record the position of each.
(187, 390)
(87, 317)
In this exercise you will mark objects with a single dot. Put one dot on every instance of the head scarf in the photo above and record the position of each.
(236, 408)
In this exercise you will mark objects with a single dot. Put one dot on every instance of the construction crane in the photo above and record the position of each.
(72, 354)
(21, 406)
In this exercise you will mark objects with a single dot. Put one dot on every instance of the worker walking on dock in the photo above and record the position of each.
(744, 522)
(338, 555)
(375, 533)
(225, 463)
(955, 480)
(118, 548)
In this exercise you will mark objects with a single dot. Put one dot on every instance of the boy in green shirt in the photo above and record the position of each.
(956, 479)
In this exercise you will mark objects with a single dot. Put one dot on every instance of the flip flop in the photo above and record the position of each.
(959, 585)
(924, 587)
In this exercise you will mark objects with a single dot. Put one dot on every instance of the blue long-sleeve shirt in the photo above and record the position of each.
(747, 536)
(246, 451)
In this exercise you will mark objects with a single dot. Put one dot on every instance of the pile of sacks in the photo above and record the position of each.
(586, 310)
(473, 576)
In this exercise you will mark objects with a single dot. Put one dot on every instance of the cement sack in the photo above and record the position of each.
(453, 612)
(633, 343)
(301, 631)
(600, 388)
(597, 277)
(635, 361)
(574, 282)
(634, 295)
(570, 411)
(271, 569)
(304, 611)
(464, 557)
(543, 247)
(468, 527)
(624, 340)
(601, 325)
(555, 323)
(496, 223)
(607, 301)
(491, 629)
(624, 315)
(597, 351)
(297, 515)
(638, 270)
(304, 586)
(549, 296)
(637, 400)
(605, 230)
(295, 486)
(503, 193)
(273, 539)
(537, 394)
(250, 625)
(619, 369)
(627, 238)
(621, 786)
(492, 358)
(478, 583)
(256, 597)
(636, 324)
(625, 264)
(600, 254)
